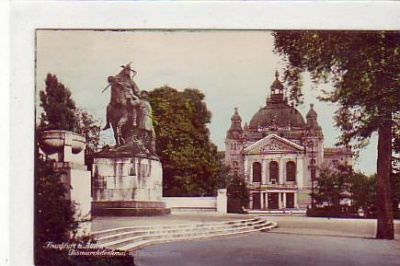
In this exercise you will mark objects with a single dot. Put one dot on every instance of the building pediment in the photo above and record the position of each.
(273, 144)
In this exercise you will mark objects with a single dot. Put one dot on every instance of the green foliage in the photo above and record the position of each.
(59, 108)
(88, 126)
(190, 160)
(238, 194)
(364, 68)
(225, 176)
(61, 113)
(54, 222)
(395, 178)
(332, 186)
(335, 185)
(53, 211)
(362, 191)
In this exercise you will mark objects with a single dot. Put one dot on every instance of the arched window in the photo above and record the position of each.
(290, 171)
(273, 171)
(256, 172)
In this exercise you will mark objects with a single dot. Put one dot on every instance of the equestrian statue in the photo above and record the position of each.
(129, 114)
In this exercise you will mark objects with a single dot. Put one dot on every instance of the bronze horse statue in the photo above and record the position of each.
(121, 111)
(118, 121)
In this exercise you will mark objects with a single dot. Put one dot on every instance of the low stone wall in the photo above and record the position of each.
(129, 208)
(191, 203)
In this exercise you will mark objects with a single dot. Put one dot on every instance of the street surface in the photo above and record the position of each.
(297, 241)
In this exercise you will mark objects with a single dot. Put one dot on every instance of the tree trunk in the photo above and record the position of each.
(385, 228)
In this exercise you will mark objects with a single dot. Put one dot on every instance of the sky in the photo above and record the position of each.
(232, 68)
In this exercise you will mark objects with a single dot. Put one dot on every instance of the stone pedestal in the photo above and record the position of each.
(68, 151)
(222, 201)
(127, 185)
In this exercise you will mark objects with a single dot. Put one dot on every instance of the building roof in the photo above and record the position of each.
(274, 143)
(277, 113)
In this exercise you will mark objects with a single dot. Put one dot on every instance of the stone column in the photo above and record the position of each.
(264, 172)
(279, 200)
(300, 175)
(280, 180)
(284, 200)
(262, 199)
(265, 200)
(250, 171)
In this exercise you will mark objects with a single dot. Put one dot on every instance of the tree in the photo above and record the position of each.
(238, 194)
(190, 160)
(337, 185)
(61, 113)
(332, 188)
(362, 192)
(87, 126)
(395, 178)
(364, 68)
(59, 108)
(237, 191)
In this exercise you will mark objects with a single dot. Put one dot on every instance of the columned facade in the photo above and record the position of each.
(279, 153)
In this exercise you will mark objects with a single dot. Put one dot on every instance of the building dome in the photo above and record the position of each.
(277, 114)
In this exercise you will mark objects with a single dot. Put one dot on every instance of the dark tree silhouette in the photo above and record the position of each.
(365, 70)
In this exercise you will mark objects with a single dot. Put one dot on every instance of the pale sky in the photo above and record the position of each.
(232, 68)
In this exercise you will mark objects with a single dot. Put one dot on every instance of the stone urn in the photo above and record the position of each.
(52, 141)
(67, 148)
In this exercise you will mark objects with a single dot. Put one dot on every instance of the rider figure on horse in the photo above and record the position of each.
(124, 97)
(130, 115)
(124, 93)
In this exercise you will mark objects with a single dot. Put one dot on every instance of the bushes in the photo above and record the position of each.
(238, 195)
(54, 223)
(327, 211)
(344, 211)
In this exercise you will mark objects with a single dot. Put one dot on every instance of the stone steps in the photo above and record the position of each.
(283, 211)
(129, 238)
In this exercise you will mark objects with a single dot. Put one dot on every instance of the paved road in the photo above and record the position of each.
(365, 228)
(298, 241)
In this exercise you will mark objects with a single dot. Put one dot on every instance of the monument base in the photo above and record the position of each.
(129, 208)
(127, 185)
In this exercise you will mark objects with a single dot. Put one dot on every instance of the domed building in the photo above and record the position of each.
(278, 153)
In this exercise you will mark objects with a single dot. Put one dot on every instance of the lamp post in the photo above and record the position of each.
(312, 167)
